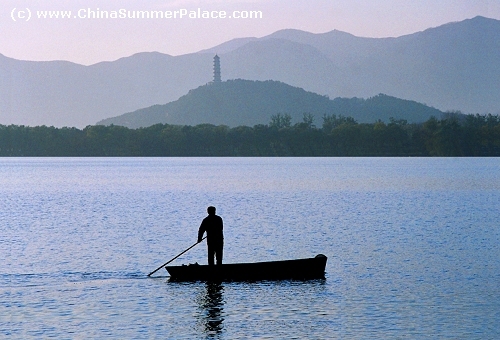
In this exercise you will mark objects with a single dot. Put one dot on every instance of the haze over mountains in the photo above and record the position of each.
(452, 67)
(61, 93)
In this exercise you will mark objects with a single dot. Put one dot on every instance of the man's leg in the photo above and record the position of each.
(218, 253)
(211, 253)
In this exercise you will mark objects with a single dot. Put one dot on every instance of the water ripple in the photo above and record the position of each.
(412, 245)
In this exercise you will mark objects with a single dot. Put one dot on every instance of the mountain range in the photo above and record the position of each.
(455, 66)
(252, 102)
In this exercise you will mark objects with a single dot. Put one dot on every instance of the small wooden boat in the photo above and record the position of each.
(301, 269)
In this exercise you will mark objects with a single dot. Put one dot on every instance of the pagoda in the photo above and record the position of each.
(217, 78)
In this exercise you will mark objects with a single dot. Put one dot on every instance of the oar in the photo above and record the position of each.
(163, 265)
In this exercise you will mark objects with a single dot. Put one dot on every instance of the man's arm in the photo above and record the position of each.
(201, 231)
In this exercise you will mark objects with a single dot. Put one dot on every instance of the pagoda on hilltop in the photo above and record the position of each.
(217, 78)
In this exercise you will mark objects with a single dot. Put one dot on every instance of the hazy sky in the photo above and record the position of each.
(89, 40)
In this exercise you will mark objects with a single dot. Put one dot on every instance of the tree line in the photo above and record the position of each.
(452, 135)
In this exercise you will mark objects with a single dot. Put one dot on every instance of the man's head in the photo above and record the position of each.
(211, 210)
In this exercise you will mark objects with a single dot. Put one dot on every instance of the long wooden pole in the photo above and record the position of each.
(163, 265)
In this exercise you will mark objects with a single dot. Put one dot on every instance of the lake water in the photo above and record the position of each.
(413, 247)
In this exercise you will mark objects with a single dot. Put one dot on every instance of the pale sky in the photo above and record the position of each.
(86, 41)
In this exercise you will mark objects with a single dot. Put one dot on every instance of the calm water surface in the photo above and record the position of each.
(413, 247)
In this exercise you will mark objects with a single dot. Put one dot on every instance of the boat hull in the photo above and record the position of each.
(301, 269)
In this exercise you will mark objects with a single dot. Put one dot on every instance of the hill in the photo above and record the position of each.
(451, 67)
(246, 102)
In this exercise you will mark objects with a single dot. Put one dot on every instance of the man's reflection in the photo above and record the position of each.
(213, 306)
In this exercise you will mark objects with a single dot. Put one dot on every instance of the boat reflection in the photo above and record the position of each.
(212, 304)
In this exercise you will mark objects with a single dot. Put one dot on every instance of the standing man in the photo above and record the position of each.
(213, 225)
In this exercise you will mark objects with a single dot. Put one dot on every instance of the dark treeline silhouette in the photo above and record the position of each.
(453, 135)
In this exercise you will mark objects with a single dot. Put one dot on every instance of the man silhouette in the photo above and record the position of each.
(212, 224)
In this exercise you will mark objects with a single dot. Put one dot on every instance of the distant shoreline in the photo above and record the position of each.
(467, 136)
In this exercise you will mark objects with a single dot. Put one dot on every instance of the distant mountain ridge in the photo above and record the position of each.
(62, 93)
(451, 67)
(245, 102)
